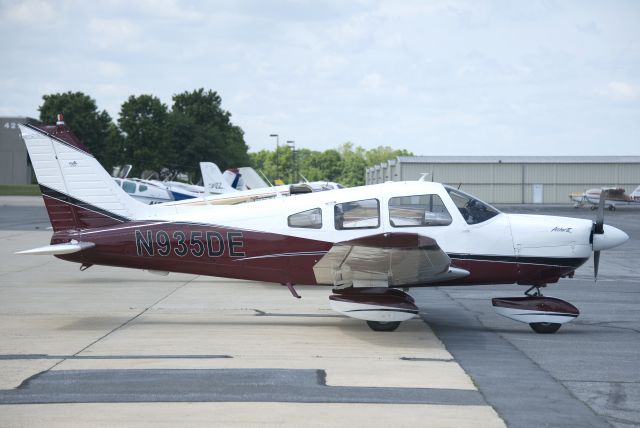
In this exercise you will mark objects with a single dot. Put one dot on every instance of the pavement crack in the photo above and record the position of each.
(605, 324)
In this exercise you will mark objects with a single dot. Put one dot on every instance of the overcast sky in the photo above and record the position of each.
(433, 77)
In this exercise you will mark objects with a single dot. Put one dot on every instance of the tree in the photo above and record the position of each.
(345, 165)
(382, 154)
(144, 121)
(353, 164)
(94, 128)
(200, 130)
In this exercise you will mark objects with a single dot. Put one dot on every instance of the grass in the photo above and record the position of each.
(19, 190)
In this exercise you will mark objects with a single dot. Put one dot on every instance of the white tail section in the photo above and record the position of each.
(636, 193)
(213, 180)
(61, 166)
(252, 179)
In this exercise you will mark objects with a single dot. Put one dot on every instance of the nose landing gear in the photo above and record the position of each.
(545, 315)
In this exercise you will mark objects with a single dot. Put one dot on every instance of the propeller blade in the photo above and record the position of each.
(596, 263)
(600, 217)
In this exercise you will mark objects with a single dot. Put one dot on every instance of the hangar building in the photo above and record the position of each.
(514, 179)
(14, 165)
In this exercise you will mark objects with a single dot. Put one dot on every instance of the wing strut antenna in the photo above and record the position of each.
(265, 177)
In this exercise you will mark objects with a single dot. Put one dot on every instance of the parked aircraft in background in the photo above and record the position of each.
(368, 243)
(246, 178)
(613, 196)
(145, 191)
(156, 191)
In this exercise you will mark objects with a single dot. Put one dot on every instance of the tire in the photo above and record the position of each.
(545, 327)
(383, 326)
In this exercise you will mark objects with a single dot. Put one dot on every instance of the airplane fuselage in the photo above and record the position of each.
(503, 249)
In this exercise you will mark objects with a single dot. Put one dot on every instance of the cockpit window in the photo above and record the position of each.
(473, 210)
(363, 214)
(418, 211)
(129, 186)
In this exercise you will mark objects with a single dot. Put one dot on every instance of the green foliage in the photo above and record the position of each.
(19, 190)
(151, 137)
(201, 130)
(345, 165)
(143, 119)
(81, 114)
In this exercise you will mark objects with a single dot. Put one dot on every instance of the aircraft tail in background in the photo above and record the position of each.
(213, 180)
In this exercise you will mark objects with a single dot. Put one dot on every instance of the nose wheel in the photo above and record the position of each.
(541, 327)
(545, 327)
(545, 315)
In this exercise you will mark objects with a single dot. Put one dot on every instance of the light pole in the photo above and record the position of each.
(277, 146)
(292, 146)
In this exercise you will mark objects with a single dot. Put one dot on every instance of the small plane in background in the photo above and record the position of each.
(247, 178)
(370, 244)
(613, 196)
(156, 191)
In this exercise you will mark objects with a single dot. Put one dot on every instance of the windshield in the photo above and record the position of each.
(473, 210)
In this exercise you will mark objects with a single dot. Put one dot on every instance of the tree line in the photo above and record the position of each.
(151, 136)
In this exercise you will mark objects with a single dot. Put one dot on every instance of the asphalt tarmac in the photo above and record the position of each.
(110, 346)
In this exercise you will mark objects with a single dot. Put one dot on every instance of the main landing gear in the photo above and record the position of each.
(382, 308)
(545, 315)
(383, 326)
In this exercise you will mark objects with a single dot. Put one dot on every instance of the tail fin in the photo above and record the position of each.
(636, 194)
(252, 179)
(213, 179)
(77, 191)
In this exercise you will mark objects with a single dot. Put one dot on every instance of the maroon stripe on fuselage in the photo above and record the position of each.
(203, 250)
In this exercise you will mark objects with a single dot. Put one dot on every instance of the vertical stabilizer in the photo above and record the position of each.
(213, 180)
(77, 190)
(252, 179)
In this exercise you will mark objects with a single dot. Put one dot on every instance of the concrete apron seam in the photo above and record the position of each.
(124, 324)
(473, 380)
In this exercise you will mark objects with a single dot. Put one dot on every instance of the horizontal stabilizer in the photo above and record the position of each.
(66, 248)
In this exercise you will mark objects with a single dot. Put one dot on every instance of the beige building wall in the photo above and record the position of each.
(516, 179)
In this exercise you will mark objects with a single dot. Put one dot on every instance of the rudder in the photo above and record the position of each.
(77, 191)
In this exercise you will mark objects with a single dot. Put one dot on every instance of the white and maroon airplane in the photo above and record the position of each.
(368, 243)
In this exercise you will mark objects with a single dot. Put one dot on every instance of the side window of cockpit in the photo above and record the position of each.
(418, 211)
(364, 214)
(309, 219)
(129, 186)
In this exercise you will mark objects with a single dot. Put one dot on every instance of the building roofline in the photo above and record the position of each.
(518, 159)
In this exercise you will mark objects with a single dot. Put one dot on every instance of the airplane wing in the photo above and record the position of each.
(397, 259)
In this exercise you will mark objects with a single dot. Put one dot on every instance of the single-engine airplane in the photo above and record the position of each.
(368, 243)
(612, 196)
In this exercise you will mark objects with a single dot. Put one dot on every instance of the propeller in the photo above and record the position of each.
(598, 228)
